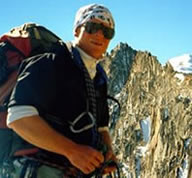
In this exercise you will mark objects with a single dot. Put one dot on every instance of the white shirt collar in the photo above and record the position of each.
(89, 61)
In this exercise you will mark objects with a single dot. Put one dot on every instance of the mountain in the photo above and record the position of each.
(152, 133)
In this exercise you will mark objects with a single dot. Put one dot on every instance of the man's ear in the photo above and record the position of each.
(77, 32)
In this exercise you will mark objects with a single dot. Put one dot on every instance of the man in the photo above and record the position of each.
(59, 103)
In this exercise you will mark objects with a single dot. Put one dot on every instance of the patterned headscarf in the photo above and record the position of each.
(93, 11)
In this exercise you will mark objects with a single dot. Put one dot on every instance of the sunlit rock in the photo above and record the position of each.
(152, 134)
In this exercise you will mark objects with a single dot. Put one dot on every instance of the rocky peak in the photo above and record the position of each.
(153, 132)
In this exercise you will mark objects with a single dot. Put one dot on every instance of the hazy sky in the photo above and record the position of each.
(162, 27)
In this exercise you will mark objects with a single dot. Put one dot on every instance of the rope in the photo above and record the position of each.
(99, 172)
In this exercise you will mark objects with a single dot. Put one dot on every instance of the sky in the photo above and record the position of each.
(162, 27)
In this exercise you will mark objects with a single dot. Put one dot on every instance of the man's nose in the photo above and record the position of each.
(100, 33)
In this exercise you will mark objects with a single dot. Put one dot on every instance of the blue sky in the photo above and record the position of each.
(162, 27)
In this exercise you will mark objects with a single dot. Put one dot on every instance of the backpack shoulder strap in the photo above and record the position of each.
(69, 46)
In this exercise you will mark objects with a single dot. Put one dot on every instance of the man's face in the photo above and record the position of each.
(94, 44)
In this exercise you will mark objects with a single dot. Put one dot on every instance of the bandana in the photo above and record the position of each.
(93, 11)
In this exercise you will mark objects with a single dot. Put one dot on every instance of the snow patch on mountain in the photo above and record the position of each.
(182, 63)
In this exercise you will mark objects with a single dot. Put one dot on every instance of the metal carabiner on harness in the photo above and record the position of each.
(81, 116)
(86, 127)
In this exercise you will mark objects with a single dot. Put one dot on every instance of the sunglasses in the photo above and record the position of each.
(91, 28)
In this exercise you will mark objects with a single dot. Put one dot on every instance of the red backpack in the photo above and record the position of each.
(19, 43)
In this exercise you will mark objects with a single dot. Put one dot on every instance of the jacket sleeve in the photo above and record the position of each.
(101, 92)
(104, 117)
(35, 85)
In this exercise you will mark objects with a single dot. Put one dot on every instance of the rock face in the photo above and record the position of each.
(152, 135)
